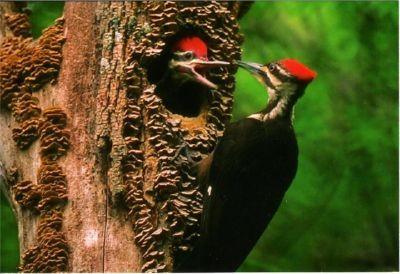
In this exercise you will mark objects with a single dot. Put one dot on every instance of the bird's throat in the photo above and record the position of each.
(277, 108)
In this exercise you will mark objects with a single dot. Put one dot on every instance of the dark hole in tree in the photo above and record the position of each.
(186, 98)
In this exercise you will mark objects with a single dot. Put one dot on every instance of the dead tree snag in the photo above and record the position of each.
(96, 151)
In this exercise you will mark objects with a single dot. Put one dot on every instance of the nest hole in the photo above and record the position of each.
(188, 100)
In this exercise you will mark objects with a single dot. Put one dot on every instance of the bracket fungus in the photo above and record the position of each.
(162, 194)
(25, 67)
(151, 141)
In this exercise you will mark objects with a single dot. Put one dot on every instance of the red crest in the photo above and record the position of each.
(298, 70)
(192, 43)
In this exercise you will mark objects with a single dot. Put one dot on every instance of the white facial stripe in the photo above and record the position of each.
(280, 88)
(283, 72)
(274, 80)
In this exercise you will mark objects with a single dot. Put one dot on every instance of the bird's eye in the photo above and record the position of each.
(271, 67)
(188, 55)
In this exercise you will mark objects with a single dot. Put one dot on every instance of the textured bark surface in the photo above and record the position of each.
(91, 156)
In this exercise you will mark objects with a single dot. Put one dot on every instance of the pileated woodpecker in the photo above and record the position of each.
(189, 60)
(246, 177)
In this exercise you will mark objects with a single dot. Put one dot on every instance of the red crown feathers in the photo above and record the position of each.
(192, 43)
(298, 70)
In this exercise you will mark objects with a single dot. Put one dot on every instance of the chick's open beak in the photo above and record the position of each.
(192, 67)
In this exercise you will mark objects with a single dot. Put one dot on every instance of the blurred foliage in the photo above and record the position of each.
(9, 246)
(43, 15)
(341, 213)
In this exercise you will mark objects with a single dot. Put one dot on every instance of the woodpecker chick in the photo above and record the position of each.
(190, 61)
(181, 79)
(246, 177)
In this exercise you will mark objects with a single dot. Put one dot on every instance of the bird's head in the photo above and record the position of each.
(189, 61)
(286, 78)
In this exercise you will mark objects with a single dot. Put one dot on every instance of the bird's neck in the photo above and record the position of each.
(171, 80)
(278, 108)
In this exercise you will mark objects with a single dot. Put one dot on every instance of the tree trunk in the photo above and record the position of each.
(94, 162)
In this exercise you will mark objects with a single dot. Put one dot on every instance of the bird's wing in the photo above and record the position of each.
(224, 178)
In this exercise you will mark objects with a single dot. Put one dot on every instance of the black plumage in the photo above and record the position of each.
(249, 172)
(251, 169)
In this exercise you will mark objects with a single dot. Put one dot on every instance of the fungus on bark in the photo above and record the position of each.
(25, 67)
(143, 144)
(166, 204)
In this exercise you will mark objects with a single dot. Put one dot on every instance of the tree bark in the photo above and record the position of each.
(91, 158)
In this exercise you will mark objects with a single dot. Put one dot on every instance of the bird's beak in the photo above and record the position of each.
(259, 72)
(193, 66)
(251, 67)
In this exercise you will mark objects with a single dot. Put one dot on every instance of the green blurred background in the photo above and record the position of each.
(341, 212)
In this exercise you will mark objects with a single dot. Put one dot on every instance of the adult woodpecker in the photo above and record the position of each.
(246, 177)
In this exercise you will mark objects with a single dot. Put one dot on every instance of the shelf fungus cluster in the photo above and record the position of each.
(18, 23)
(162, 195)
(51, 252)
(160, 144)
(25, 67)
(47, 197)
(140, 209)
